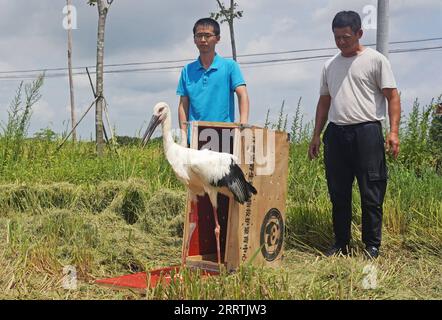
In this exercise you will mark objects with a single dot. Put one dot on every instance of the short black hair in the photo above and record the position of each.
(208, 22)
(347, 19)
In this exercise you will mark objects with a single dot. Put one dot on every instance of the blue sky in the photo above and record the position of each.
(32, 37)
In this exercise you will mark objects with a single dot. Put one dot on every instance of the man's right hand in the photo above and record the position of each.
(314, 147)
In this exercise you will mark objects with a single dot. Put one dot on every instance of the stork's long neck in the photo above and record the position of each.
(167, 133)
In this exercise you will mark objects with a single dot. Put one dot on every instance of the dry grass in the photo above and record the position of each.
(117, 228)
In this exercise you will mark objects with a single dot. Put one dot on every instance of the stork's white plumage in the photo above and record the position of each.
(201, 171)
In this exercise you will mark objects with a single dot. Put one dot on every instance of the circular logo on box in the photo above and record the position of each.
(272, 234)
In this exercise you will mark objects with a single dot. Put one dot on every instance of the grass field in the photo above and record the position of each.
(123, 213)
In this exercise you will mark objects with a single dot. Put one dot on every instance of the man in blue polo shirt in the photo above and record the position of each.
(206, 85)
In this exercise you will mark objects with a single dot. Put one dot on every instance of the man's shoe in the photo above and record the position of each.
(336, 250)
(371, 252)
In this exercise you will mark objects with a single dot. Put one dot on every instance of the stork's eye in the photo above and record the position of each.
(161, 109)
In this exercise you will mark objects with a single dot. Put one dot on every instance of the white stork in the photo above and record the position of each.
(201, 171)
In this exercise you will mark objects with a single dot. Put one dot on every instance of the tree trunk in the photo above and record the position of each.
(102, 14)
(71, 83)
(232, 32)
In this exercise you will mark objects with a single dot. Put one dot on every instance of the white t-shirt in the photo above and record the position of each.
(355, 85)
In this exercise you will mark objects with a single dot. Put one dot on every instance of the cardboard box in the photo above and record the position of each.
(253, 232)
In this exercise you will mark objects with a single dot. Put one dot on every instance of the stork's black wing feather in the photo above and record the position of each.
(235, 181)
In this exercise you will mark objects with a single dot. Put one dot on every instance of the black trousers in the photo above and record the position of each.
(356, 151)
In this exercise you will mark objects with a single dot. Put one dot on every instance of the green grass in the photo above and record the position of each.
(124, 213)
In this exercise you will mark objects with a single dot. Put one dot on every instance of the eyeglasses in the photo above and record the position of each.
(200, 36)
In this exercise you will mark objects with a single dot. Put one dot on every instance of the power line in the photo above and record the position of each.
(332, 55)
(414, 50)
(246, 64)
(323, 58)
(280, 63)
(332, 48)
(191, 59)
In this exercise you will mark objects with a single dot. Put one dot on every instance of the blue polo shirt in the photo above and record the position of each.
(211, 91)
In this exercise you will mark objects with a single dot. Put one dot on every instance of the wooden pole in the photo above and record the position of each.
(90, 82)
(105, 109)
(84, 114)
(106, 112)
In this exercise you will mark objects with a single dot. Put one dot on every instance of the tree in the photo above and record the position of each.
(71, 83)
(228, 15)
(103, 8)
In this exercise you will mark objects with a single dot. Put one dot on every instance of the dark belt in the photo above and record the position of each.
(356, 125)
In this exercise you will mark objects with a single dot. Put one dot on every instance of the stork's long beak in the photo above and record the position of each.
(154, 122)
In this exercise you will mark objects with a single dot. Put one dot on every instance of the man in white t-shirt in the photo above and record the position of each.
(356, 85)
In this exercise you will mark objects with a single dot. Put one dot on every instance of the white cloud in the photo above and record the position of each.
(327, 12)
(162, 30)
(42, 112)
(397, 5)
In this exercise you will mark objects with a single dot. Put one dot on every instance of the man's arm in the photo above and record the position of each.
(394, 113)
(183, 117)
(243, 104)
(320, 120)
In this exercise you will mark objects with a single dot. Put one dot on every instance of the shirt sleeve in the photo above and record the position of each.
(384, 74)
(236, 78)
(182, 88)
(323, 87)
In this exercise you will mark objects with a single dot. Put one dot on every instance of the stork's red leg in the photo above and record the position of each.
(193, 220)
(217, 232)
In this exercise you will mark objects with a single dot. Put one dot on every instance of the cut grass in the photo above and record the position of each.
(129, 219)
(123, 213)
(94, 234)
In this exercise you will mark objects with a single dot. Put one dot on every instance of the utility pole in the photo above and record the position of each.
(383, 20)
(71, 82)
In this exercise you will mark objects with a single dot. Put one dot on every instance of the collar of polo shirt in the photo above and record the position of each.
(214, 65)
